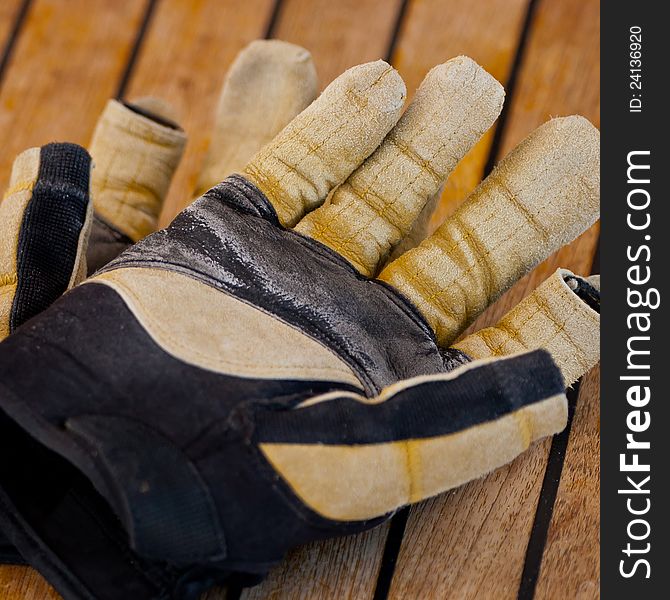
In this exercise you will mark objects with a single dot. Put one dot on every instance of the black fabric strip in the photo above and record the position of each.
(50, 230)
(586, 292)
(138, 377)
(430, 409)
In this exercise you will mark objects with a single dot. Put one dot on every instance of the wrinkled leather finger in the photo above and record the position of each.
(377, 206)
(561, 316)
(135, 153)
(321, 147)
(45, 220)
(268, 84)
(540, 197)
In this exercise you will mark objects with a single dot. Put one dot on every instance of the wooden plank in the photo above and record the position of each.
(23, 583)
(341, 568)
(471, 543)
(66, 62)
(435, 31)
(65, 66)
(571, 558)
(184, 58)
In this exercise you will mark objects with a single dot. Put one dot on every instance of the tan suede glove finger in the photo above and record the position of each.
(325, 143)
(562, 316)
(135, 154)
(540, 197)
(376, 207)
(268, 84)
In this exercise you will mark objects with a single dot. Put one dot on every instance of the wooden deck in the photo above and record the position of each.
(530, 529)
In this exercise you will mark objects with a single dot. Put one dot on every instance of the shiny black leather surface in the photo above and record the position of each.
(230, 238)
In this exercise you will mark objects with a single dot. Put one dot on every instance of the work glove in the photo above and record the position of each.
(51, 236)
(240, 383)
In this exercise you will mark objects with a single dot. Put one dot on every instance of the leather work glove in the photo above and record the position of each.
(240, 382)
(50, 236)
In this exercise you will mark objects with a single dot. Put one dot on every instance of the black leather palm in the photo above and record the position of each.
(241, 248)
(145, 469)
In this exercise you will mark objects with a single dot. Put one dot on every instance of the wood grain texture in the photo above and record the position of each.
(342, 568)
(481, 531)
(571, 559)
(65, 66)
(434, 31)
(23, 583)
(338, 34)
(184, 58)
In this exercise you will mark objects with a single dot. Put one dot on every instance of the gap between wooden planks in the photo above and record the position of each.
(571, 558)
(10, 19)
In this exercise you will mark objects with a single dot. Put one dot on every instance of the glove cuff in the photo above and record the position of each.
(96, 514)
